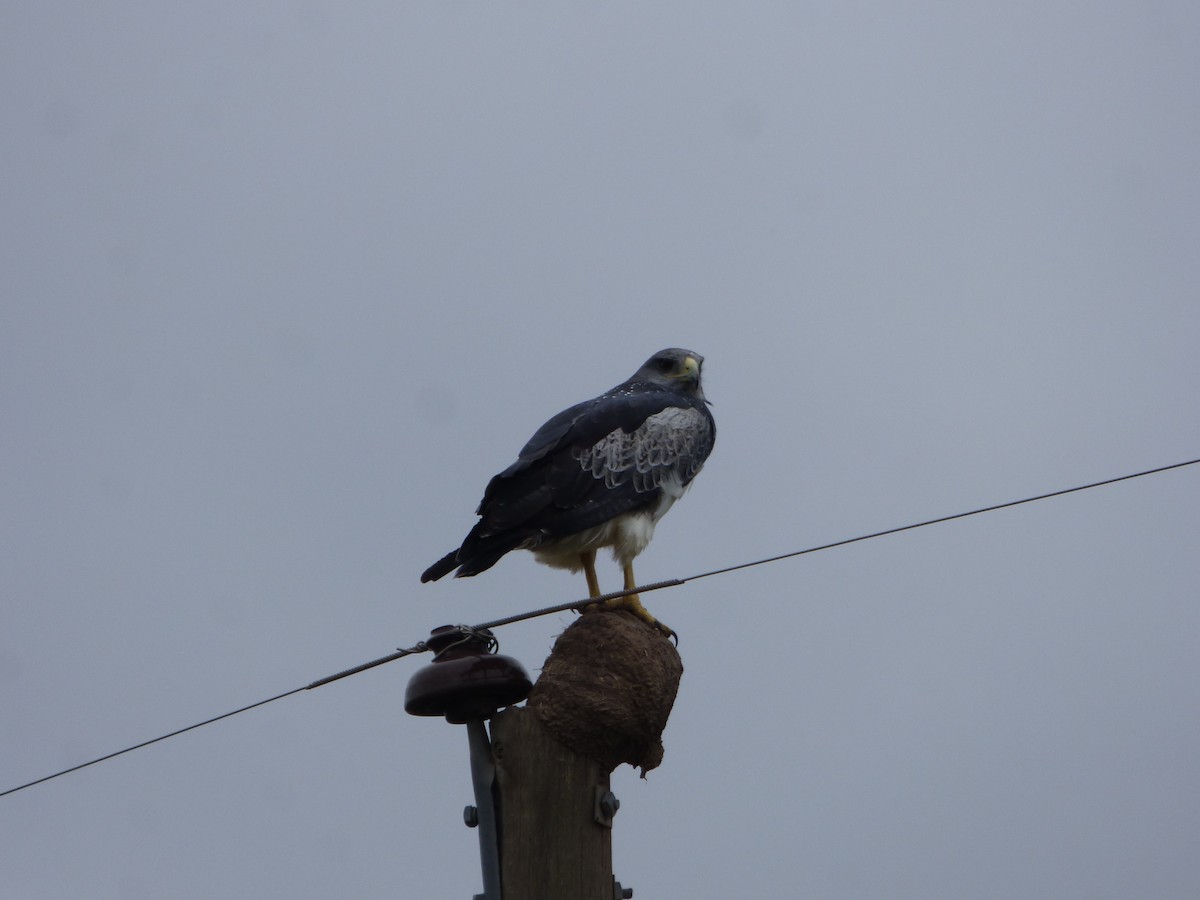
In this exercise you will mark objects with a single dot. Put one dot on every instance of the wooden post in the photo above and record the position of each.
(603, 699)
(550, 845)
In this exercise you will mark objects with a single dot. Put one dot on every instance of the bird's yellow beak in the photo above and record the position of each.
(689, 369)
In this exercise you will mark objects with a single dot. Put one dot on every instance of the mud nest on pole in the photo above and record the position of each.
(607, 689)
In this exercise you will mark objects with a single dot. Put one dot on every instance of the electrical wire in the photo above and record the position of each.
(422, 647)
(673, 582)
(950, 518)
(161, 737)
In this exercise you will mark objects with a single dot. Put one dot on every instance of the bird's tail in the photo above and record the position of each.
(443, 566)
(477, 553)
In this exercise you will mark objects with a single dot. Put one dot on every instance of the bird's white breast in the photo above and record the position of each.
(628, 534)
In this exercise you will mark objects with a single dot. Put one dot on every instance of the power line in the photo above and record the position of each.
(950, 518)
(673, 582)
(162, 737)
(421, 647)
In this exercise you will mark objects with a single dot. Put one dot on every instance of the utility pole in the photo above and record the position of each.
(602, 699)
(552, 845)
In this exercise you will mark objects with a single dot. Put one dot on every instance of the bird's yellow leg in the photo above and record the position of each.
(633, 601)
(588, 559)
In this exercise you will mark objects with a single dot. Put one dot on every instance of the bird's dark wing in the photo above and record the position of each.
(585, 466)
(624, 407)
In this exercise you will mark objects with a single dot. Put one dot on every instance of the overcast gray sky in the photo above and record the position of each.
(285, 283)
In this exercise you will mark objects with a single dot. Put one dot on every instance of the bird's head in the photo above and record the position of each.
(673, 368)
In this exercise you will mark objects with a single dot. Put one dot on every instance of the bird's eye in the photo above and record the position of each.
(665, 364)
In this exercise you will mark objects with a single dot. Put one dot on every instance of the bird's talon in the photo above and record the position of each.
(667, 631)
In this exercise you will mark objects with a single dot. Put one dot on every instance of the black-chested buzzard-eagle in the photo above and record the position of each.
(600, 474)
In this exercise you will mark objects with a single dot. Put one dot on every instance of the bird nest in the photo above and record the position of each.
(607, 689)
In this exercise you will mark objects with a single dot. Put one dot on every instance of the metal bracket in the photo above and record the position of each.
(483, 775)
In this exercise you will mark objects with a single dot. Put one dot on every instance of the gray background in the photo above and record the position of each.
(284, 285)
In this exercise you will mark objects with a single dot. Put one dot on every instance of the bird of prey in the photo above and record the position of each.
(600, 474)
